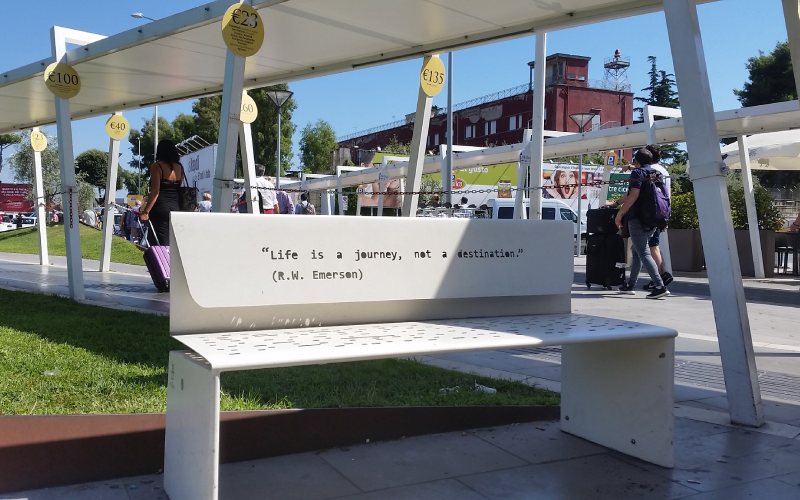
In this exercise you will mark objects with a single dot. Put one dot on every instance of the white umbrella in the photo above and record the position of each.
(770, 151)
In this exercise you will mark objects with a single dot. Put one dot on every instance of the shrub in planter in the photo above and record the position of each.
(684, 212)
(768, 215)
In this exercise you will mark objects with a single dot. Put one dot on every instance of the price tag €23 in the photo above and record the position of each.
(432, 76)
(62, 80)
(117, 127)
(242, 30)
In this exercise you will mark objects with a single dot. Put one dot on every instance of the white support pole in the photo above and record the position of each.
(536, 146)
(523, 170)
(339, 196)
(382, 177)
(41, 213)
(69, 192)
(422, 120)
(791, 17)
(110, 207)
(447, 173)
(713, 208)
(248, 166)
(750, 205)
(228, 132)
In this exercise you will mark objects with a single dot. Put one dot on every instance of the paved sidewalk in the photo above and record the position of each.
(714, 460)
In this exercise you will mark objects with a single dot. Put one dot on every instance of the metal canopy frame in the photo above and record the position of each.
(308, 38)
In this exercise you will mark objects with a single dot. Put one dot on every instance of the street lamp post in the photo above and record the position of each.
(279, 98)
(139, 176)
(139, 15)
(581, 119)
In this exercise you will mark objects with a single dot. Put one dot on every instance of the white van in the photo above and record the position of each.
(503, 208)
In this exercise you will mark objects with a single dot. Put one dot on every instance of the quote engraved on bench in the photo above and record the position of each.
(362, 260)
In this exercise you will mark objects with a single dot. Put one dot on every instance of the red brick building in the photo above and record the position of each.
(500, 118)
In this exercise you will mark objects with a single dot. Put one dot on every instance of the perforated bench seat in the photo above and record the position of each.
(335, 344)
(293, 291)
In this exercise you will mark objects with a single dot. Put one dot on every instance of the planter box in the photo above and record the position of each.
(686, 250)
(746, 254)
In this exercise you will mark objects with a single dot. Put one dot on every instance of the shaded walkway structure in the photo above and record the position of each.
(308, 38)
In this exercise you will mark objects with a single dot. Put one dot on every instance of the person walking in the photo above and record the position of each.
(166, 175)
(205, 203)
(655, 240)
(268, 200)
(304, 207)
(639, 234)
(285, 205)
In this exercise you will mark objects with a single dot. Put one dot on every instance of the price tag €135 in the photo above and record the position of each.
(432, 76)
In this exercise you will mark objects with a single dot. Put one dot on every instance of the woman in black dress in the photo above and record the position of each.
(166, 175)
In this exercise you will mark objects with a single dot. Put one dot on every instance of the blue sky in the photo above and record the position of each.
(733, 30)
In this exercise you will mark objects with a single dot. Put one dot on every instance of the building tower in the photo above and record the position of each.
(616, 73)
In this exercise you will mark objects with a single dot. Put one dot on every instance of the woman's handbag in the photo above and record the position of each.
(187, 197)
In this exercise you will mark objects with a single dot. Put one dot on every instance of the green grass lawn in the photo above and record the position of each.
(61, 357)
(27, 241)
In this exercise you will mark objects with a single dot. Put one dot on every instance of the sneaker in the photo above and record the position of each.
(658, 293)
(626, 290)
(667, 278)
(649, 287)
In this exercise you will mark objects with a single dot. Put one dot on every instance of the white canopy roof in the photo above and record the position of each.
(183, 56)
(771, 151)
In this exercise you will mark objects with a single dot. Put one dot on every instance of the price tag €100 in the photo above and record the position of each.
(62, 80)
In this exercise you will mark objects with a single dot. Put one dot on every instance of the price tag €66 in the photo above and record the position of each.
(242, 30)
(62, 80)
(432, 76)
(249, 109)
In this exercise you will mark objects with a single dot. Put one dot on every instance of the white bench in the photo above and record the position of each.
(251, 291)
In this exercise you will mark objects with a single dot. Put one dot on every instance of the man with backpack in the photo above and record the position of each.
(643, 212)
(304, 207)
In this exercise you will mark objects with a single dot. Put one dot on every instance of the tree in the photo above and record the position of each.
(317, 146)
(771, 78)
(147, 136)
(265, 137)
(93, 164)
(6, 141)
(661, 92)
(22, 165)
(396, 147)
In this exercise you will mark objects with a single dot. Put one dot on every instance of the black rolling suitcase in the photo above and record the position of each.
(601, 221)
(605, 260)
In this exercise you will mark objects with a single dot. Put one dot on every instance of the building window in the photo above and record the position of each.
(436, 140)
(469, 132)
(514, 122)
(490, 127)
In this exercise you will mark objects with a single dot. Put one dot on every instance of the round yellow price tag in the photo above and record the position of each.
(62, 80)
(117, 127)
(242, 29)
(432, 76)
(38, 141)
(249, 109)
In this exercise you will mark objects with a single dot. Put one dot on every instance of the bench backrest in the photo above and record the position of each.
(241, 272)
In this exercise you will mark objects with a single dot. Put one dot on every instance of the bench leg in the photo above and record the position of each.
(191, 449)
(619, 394)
